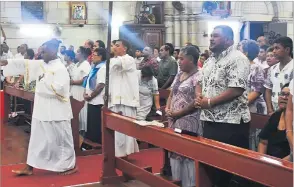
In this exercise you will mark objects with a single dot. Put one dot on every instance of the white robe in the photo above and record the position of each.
(51, 143)
(124, 97)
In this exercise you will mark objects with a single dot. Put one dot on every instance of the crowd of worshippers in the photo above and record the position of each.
(212, 93)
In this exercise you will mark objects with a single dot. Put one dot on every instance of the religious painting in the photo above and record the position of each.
(217, 8)
(78, 13)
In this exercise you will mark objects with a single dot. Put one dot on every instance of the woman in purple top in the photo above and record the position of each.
(255, 87)
(181, 112)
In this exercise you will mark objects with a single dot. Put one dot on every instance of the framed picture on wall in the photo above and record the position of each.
(78, 12)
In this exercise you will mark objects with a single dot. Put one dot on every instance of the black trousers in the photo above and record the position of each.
(94, 121)
(233, 134)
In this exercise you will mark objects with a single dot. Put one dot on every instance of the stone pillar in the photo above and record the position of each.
(177, 33)
(169, 29)
(193, 25)
(184, 30)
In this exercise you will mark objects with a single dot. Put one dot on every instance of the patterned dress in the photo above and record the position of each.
(255, 84)
(183, 95)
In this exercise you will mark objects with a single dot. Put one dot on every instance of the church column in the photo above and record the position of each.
(184, 30)
(192, 23)
(169, 29)
(177, 32)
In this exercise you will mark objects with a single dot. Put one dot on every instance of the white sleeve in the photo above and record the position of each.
(55, 84)
(101, 75)
(25, 67)
(2, 39)
(14, 67)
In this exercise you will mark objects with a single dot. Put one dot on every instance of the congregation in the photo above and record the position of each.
(212, 94)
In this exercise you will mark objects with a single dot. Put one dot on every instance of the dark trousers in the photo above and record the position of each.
(94, 123)
(233, 134)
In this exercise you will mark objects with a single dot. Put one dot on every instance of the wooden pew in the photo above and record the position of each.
(248, 164)
(76, 107)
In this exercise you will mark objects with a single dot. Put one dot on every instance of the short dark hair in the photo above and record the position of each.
(70, 54)
(177, 50)
(191, 51)
(226, 30)
(264, 47)
(205, 55)
(101, 43)
(85, 52)
(147, 71)
(157, 48)
(30, 54)
(251, 48)
(125, 43)
(101, 52)
(270, 49)
(285, 86)
(285, 42)
(171, 48)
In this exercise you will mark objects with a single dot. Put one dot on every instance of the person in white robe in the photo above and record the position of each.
(124, 94)
(51, 143)
(81, 71)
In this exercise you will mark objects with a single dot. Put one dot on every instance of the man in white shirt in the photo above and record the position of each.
(51, 143)
(124, 94)
(279, 74)
(22, 51)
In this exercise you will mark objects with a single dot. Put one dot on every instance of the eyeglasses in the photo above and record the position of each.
(284, 94)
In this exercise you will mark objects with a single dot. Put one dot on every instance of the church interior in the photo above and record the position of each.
(146, 93)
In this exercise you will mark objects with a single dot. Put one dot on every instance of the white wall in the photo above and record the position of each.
(241, 12)
(55, 12)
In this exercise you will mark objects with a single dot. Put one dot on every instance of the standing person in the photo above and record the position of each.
(168, 67)
(181, 112)
(94, 90)
(22, 51)
(81, 71)
(225, 111)
(149, 94)
(124, 93)
(51, 144)
(138, 57)
(255, 87)
(69, 58)
(99, 44)
(279, 74)
(149, 60)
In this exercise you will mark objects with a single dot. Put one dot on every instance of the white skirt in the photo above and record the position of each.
(83, 116)
(51, 146)
(125, 145)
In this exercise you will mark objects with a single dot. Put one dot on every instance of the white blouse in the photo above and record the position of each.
(82, 70)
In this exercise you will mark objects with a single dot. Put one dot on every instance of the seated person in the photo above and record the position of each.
(273, 136)
(148, 90)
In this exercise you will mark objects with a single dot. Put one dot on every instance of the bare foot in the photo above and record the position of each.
(69, 172)
(24, 172)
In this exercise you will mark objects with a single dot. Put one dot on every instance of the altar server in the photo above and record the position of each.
(124, 93)
(51, 143)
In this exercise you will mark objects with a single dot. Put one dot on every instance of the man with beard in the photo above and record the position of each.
(225, 111)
